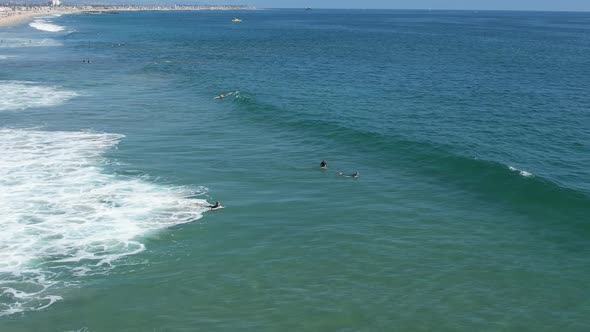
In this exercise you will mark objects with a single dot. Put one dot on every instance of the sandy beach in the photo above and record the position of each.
(14, 17)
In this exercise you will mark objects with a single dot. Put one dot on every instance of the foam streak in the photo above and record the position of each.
(18, 95)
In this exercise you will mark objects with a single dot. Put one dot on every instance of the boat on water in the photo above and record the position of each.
(236, 20)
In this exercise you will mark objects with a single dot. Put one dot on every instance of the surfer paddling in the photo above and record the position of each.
(353, 175)
(217, 205)
(323, 164)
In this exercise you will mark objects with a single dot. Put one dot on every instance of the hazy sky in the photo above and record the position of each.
(574, 5)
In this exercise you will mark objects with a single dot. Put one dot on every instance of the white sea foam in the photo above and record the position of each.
(10, 42)
(62, 217)
(521, 172)
(19, 95)
(4, 57)
(43, 25)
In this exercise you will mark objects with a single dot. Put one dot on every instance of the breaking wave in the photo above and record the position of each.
(63, 216)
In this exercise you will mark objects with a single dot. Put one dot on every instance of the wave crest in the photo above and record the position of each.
(43, 25)
(521, 172)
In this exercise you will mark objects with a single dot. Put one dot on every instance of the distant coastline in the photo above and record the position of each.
(16, 14)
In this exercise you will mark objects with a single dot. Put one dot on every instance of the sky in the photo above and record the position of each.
(567, 5)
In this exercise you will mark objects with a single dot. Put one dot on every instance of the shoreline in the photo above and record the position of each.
(23, 17)
(16, 15)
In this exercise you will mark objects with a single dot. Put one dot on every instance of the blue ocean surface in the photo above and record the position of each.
(470, 132)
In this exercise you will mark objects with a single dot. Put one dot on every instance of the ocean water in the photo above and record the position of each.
(470, 131)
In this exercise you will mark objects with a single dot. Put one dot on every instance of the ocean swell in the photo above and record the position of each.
(491, 180)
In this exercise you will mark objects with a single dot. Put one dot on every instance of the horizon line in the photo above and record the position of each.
(441, 9)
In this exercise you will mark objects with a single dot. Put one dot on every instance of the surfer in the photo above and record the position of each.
(353, 175)
(216, 206)
(227, 94)
(323, 164)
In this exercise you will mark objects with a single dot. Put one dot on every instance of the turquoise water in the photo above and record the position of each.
(469, 130)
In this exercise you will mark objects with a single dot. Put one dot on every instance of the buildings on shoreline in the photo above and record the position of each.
(5, 7)
(55, 6)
